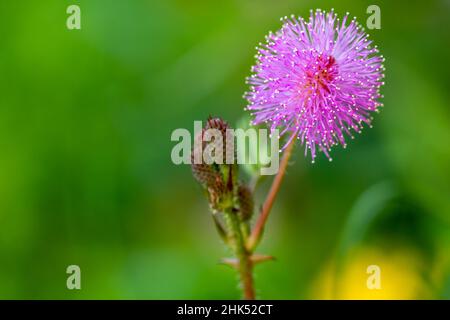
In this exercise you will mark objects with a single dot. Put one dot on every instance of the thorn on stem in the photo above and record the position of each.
(255, 259)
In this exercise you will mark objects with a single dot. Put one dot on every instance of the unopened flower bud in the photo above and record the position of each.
(245, 199)
(216, 178)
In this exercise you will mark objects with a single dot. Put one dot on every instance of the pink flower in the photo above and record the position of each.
(317, 80)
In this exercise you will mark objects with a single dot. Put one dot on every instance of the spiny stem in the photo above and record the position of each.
(260, 223)
(244, 263)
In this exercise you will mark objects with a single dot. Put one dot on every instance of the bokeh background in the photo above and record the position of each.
(86, 176)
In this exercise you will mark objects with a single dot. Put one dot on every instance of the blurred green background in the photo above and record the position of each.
(86, 176)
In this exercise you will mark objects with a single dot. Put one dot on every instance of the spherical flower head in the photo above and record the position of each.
(317, 80)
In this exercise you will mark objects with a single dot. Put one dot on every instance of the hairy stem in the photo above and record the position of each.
(244, 263)
(260, 223)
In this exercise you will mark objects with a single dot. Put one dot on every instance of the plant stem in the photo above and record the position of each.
(260, 223)
(245, 265)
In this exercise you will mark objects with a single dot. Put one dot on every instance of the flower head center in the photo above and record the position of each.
(320, 73)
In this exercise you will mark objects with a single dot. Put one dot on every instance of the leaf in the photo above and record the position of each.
(365, 210)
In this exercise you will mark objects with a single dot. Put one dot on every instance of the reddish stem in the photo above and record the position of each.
(260, 223)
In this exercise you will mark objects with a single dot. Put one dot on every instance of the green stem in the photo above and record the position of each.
(245, 265)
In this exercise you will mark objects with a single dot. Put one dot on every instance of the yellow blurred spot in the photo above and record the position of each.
(399, 277)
